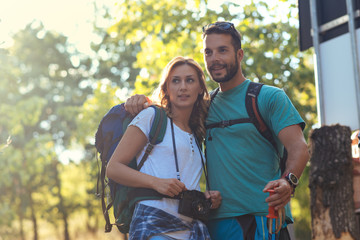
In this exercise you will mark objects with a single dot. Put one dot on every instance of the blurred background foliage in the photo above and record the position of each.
(53, 97)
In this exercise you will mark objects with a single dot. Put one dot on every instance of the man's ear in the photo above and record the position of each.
(240, 55)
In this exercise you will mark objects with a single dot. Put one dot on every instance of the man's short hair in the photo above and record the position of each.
(221, 27)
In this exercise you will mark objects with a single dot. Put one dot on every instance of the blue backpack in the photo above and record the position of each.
(123, 198)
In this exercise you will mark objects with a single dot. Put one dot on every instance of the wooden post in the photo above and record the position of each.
(331, 184)
(355, 145)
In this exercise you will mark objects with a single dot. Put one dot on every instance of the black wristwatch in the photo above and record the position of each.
(292, 179)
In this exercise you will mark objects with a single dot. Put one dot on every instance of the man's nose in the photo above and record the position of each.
(215, 57)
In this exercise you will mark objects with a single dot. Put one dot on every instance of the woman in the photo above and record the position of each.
(183, 94)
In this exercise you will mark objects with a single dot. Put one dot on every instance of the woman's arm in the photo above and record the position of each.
(132, 142)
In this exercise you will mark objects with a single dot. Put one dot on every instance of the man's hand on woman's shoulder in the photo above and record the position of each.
(136, 103)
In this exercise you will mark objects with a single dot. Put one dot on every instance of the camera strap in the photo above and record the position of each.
(176, 159)
(174, 147)
(203, 164)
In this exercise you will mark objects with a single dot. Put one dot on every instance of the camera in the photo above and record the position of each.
(194, 204)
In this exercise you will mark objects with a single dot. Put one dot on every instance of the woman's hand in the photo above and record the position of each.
(169, 186)
(215, 197)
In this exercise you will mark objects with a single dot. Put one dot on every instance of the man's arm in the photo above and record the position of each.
(136, 103)
(298, 155)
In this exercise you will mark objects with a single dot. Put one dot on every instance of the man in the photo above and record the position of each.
(242, 164)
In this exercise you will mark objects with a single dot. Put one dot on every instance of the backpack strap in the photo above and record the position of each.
(213, 94)
(225, 123)
(252, 109)
(251, 104)
(157, 132)
(105, 208)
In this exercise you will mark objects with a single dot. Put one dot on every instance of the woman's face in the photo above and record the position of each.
(183, 87)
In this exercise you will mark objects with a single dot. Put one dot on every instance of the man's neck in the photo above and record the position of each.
(235, 81)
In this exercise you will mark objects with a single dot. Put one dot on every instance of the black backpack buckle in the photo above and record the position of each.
(224, 123)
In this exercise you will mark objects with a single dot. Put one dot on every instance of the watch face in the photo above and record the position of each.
(293, 179)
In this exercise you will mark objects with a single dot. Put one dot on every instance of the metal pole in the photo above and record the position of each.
(318, 82)
(355, 55)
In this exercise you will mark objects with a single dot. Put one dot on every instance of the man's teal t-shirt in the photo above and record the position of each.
(240, 161)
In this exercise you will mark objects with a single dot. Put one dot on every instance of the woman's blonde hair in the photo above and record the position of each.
(199, 112)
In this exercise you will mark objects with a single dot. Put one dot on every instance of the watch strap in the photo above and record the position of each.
(287, 177)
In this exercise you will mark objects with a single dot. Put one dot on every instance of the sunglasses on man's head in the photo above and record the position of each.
(227, 26)
(222, 25)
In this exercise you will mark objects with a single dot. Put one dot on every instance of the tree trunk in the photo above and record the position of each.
(331, 184)
(33, 216)
(357, 189)
(21, 219)
(61, 206)
(19, 192)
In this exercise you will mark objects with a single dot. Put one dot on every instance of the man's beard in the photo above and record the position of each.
(230, 72)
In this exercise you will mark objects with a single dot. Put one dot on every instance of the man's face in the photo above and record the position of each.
(220, 58)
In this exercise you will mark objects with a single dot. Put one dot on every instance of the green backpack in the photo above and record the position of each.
(122, 198)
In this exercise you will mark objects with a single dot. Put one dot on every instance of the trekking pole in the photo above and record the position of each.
(274, 216)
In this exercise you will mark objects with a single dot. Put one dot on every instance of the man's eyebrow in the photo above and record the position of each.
(222, 46)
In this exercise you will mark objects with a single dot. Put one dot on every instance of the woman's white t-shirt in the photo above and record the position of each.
(161, 162)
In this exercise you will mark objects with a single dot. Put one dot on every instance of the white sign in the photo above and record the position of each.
(338, 82)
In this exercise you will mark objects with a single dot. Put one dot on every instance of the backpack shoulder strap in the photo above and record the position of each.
(251, 103)
(224, 123)
(157, 132)
(158, 127)
(213, 94)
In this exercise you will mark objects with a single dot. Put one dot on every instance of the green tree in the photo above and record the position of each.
(46, 83)
(94, 108)
(148, 33)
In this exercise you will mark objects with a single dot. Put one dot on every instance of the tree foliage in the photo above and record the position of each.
(42, 95)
